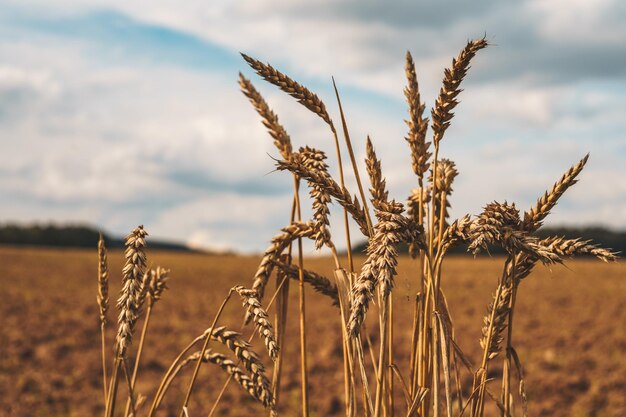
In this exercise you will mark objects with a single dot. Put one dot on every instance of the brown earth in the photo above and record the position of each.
(570, 332)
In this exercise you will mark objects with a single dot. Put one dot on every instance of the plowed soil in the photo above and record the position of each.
(570, 333)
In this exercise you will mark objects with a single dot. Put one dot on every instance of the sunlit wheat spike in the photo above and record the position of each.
(488, 228)
(249, 359)
(143, 291)
(418, 125)
(229, 367)
(272, 253)
(260, 318)
(446, 102)
(534, 217)
(573, 247)
(500, 224)
(320, 283)
(458, 232)
(379, 268)
(304, 96)
(315, 160)
(341, 194)
(158, 283)
(131, 288)
(446, 173)
(103, 280)
(494, 322)
(282, 141)
(362, 295)
(377, 189)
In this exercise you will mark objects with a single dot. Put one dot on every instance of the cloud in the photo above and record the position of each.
(121, 113)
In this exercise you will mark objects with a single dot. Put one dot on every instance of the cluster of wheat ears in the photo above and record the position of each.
(430, 386)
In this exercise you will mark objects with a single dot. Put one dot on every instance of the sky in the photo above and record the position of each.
(118, 113)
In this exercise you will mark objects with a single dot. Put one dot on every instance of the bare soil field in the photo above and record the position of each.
(570, 332)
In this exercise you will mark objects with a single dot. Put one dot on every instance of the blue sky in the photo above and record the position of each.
(123, 113)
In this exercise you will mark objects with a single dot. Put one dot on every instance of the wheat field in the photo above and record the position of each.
(572, 334)
(418, 334)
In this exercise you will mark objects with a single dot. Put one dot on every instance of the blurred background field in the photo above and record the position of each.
(571, 335)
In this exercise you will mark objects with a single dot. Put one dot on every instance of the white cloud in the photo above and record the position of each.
(120, 142)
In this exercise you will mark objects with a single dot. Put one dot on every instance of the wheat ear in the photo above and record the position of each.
(131, 290)
(320, 283)
(304, 96)
(103, 303)
(128, 304)
(282, 141)
(418, 125)
(573, 247)
(158, 283)
(260, 318)
(249, 359)
(297, 166)
(453, 76)
(279, 243)
(227, 366)
(534, 217)
(315, 159)
(494, 322)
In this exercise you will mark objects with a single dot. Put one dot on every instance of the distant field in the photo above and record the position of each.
(570, 332)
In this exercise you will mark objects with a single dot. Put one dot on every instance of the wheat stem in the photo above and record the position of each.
(204, 348)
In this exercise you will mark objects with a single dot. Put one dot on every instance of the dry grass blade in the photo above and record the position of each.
(418, 125)
(442, 112)
(304, 96)
(320, 283)
(282, 141)
(534, 217)
(260, 318)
